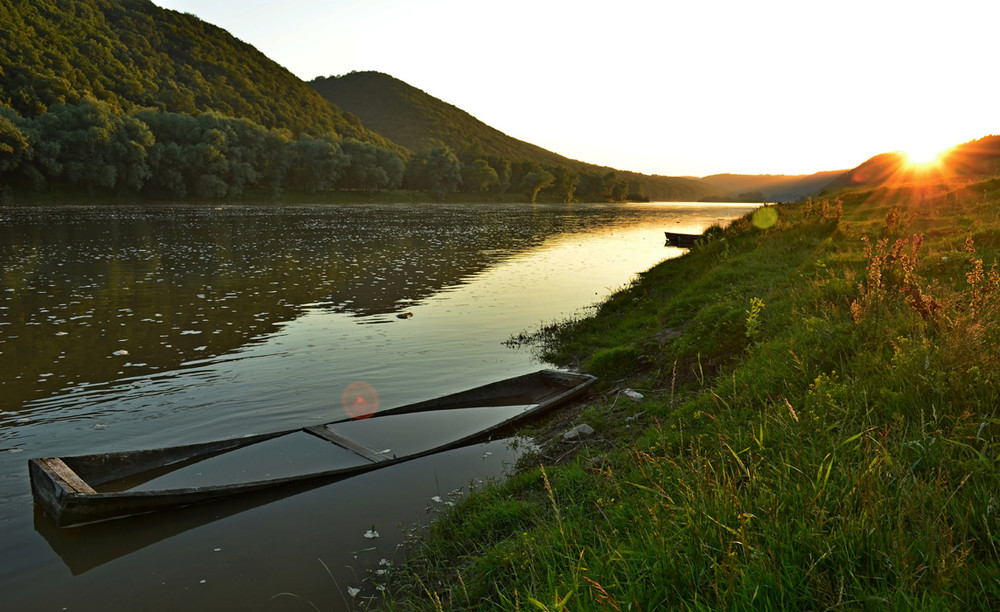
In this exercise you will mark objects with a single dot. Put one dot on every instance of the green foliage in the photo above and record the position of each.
(162, 154)
(614, 363)
(371, 168)
(845, 458)
(14, 144)
(564, 183)
(753, 318)
(133, 54)
(605, 186)
(85, 144)
(116, 96)
(443, 172)
(535, 181)
(129, 59)
(480, 176)
(315, 164)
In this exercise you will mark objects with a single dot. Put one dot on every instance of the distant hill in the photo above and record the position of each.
(980, 157)
(133, 54)
(125, 96)
(973, 159)
(774, 187)
(877, 170)
(419, 121)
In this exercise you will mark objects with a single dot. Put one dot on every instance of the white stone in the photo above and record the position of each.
(580, 432)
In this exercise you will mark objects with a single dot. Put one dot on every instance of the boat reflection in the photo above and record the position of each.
(339, 500)
(89, 546)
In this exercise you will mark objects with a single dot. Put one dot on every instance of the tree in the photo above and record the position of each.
(128, 151)
(210, 186)
(616, 189)
(393, 166)
(444, 172)
(370, 167)
(167, 161)
(236, 155)
(273, 159)
(502, 166)
(96, 148)
(479, 176)
(591, 186)
(172, 158)
(416, 173)
(316, 164)
(14, 144)
(535, 181)
(563, 187)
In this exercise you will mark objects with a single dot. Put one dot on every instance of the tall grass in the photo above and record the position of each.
(820, 430)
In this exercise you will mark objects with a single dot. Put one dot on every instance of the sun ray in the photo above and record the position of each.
(922, 156)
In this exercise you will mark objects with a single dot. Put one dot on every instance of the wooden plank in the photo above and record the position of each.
(67, 475)
(355, 447)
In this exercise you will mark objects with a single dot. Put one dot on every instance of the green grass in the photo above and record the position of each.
(819, 430)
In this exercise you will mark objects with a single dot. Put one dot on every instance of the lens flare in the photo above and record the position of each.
(360, 400)
(764, 217)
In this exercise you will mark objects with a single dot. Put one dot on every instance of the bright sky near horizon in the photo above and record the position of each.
(664, 87)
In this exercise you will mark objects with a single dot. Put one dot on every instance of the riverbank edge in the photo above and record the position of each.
(59, 196)
(800, 412)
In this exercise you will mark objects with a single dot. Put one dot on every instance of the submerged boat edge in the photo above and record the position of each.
(69, 500)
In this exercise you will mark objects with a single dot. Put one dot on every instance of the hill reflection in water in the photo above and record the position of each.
(94, 294)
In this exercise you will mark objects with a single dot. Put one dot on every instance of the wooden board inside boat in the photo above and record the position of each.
(292, 454)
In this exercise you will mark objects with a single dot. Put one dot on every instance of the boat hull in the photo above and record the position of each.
(67, 488)
(683, 241)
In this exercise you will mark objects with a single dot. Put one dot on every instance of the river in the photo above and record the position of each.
(137, 326)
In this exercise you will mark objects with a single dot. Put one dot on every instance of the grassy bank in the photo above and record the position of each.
(819, 429)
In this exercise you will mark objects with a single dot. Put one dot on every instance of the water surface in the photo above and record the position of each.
(143, 326)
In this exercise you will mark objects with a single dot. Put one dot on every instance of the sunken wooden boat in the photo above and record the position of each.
(84, 489)
(684, 241)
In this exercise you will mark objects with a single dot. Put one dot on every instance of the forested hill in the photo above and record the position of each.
(974, 159)
(773, 187)
(421, 122)
(124, 97)
(133, 54)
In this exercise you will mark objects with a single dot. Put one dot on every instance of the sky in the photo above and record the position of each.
(664, 87)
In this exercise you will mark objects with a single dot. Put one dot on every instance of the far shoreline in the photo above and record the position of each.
(64, 196)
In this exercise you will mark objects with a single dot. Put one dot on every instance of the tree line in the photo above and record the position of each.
(441, 171)
(87, 144)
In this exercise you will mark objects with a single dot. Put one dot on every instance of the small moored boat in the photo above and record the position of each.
(683, 241)
(85, 489)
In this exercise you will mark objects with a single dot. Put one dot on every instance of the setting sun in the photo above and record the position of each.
(923, 154)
